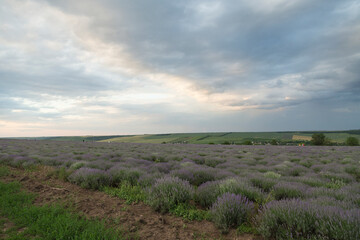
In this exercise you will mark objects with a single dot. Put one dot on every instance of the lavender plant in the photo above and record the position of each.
(231, 210)
(296, 219)
(321, 176)
(286, 190)
(167, 192)
(90, 178)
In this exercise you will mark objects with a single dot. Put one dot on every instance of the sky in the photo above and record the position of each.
(92, 67)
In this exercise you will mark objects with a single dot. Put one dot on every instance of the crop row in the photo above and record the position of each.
(282, 192)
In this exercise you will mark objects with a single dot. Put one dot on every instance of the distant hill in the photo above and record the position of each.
(234, 137)
(214, 138)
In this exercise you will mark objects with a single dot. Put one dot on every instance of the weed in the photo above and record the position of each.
(48, 222)
(132, 194)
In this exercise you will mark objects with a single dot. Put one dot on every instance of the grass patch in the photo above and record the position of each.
(61, 173)
(4, 171)
(190, 212)
(47, 222)
(132, 194)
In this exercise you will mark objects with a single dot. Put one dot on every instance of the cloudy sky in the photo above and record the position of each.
(89, 67)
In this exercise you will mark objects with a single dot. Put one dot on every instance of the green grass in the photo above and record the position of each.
(190, 212)
(3, 171)
(132, 194)
(47, 222)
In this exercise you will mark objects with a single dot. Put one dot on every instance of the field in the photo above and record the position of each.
(337, 137)
(248, 192)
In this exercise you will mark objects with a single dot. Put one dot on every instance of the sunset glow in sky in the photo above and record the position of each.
(91, 67)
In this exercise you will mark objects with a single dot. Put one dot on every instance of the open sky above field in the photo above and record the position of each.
(130, 67)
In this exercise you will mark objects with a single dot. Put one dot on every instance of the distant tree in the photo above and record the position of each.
(226, 143)
(352, 141)
(247, 142)
(273, 142)
(318, 139)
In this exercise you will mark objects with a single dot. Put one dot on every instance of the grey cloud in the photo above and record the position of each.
(283, 41)
(234, 48)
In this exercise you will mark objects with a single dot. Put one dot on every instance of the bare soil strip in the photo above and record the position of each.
(139, 220)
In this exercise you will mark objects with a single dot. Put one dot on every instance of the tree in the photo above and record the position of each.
(273, 142)
(318, 139)
(247, 142)
(352, 141)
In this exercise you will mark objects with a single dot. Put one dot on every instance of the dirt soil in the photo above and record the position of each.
(137, 220)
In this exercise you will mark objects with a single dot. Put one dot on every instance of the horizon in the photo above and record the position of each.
(129, 68)
(170, 133)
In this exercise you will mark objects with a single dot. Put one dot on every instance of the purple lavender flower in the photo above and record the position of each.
(231, 210)
(90, 178)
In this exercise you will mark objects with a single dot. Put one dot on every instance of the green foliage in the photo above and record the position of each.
(132, 194)
(318, 139)
(128, 175)
(273, 142)
(208, 193)
(4, 171)
(62, 173)
(190, 212)
(355, 171)
(272, 175)
(307, 163)
(352, 141)
(284, 190)
(247, 142)
(48, 222)
(263, 183)
(246, 228)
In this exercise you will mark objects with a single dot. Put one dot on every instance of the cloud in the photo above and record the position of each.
(155, 62)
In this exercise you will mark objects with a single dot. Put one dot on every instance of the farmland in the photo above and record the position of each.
(282, 192)
(282, 138)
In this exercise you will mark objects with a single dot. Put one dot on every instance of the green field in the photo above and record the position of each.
(337, 137)
(230, 137)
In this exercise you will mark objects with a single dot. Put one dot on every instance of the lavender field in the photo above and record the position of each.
(280, 192)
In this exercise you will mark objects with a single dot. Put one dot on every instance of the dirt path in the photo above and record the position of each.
(138, 220)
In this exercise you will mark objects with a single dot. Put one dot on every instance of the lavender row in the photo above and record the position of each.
(231, 181)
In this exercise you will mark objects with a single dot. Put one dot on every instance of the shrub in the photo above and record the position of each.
(120, 174)
(167, 192)
(247, 142)
(265, 184)
(196, 175)
(208, 192)
(213, 162)
(77, 165)
(148, 179)
(295, 219)
(352, 141)
(318, 139)
(90, 178)
(355, 171)
(239, 186)
(272, 175)
(296, 171)
(231, 210)
(285, 190)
